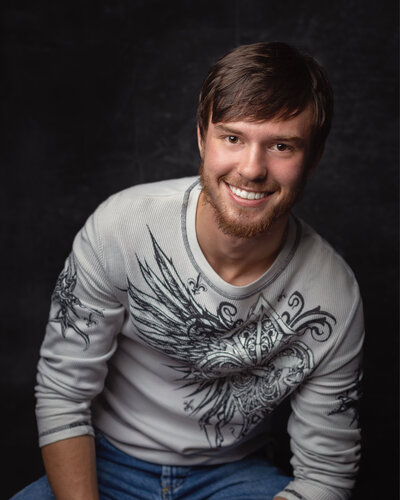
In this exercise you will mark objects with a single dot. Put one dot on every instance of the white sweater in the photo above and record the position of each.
(185, 367)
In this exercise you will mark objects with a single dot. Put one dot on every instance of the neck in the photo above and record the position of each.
(239, 261)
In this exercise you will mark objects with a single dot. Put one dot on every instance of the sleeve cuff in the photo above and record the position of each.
(302, 490)
(65, 432)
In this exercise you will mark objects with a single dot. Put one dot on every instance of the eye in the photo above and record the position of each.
(281, 147)
(232, 139)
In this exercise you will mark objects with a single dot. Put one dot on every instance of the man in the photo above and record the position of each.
(189, 310)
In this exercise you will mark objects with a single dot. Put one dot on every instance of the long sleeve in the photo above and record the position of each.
(83, 324)
(129, 278)
(324, 427)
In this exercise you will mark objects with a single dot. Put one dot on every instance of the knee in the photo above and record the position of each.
(40, 489)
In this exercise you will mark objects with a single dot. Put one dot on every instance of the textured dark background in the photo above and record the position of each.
(99, 96)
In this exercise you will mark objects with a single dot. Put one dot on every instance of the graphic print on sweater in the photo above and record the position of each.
(235, 370)
(71, 309)
(349, 401)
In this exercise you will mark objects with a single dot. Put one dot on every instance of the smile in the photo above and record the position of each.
(247, 195)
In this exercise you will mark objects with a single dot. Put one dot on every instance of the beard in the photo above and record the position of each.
(241, 224)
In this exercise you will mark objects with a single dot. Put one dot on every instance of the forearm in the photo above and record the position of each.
(71, 468)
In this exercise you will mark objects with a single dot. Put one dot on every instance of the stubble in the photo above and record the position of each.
(242, 225)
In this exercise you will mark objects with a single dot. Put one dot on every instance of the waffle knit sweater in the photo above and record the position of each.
(146, 342)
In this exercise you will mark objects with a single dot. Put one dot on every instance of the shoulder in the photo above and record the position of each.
(325, 273)
(327, 282)
(116, 229)
(153, 190)
(139, 201)
(321, 254)
(130, 209)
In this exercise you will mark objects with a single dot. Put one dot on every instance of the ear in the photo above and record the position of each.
(200, 142)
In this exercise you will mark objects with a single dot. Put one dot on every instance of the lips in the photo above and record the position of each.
(248, 195)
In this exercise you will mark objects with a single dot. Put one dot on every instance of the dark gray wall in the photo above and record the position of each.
(96, 97)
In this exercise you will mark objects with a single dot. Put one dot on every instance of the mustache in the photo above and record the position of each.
(263, 184)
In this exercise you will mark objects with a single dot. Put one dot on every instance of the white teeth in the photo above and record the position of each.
(247, 195)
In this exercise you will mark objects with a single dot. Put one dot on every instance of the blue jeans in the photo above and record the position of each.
(122, 477)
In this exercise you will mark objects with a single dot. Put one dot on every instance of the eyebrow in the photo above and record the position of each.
(275, 138)
(227, 130)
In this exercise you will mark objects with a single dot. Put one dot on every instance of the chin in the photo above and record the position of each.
(239, 229)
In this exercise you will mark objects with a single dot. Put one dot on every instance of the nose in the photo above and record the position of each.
(253, 165)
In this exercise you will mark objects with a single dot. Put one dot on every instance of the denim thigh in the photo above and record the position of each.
(122, 477)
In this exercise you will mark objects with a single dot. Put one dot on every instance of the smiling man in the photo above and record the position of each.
(190, 309)
(252, 173)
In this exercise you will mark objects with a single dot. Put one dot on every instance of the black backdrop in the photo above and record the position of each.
(99, 96)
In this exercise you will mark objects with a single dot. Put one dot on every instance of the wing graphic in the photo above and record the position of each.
(172, 319)
(235, 370)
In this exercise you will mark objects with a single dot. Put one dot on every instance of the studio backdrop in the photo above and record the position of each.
(98, 96)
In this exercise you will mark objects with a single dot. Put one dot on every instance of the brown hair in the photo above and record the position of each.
(263, 81)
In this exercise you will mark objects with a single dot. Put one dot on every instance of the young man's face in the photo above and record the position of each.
(253, 172)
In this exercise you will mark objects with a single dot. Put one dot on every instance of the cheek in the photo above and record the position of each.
(288, 173)
(216, 161)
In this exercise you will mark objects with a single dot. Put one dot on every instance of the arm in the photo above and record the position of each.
(323, 426)
(85, 318)
(71, 468)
